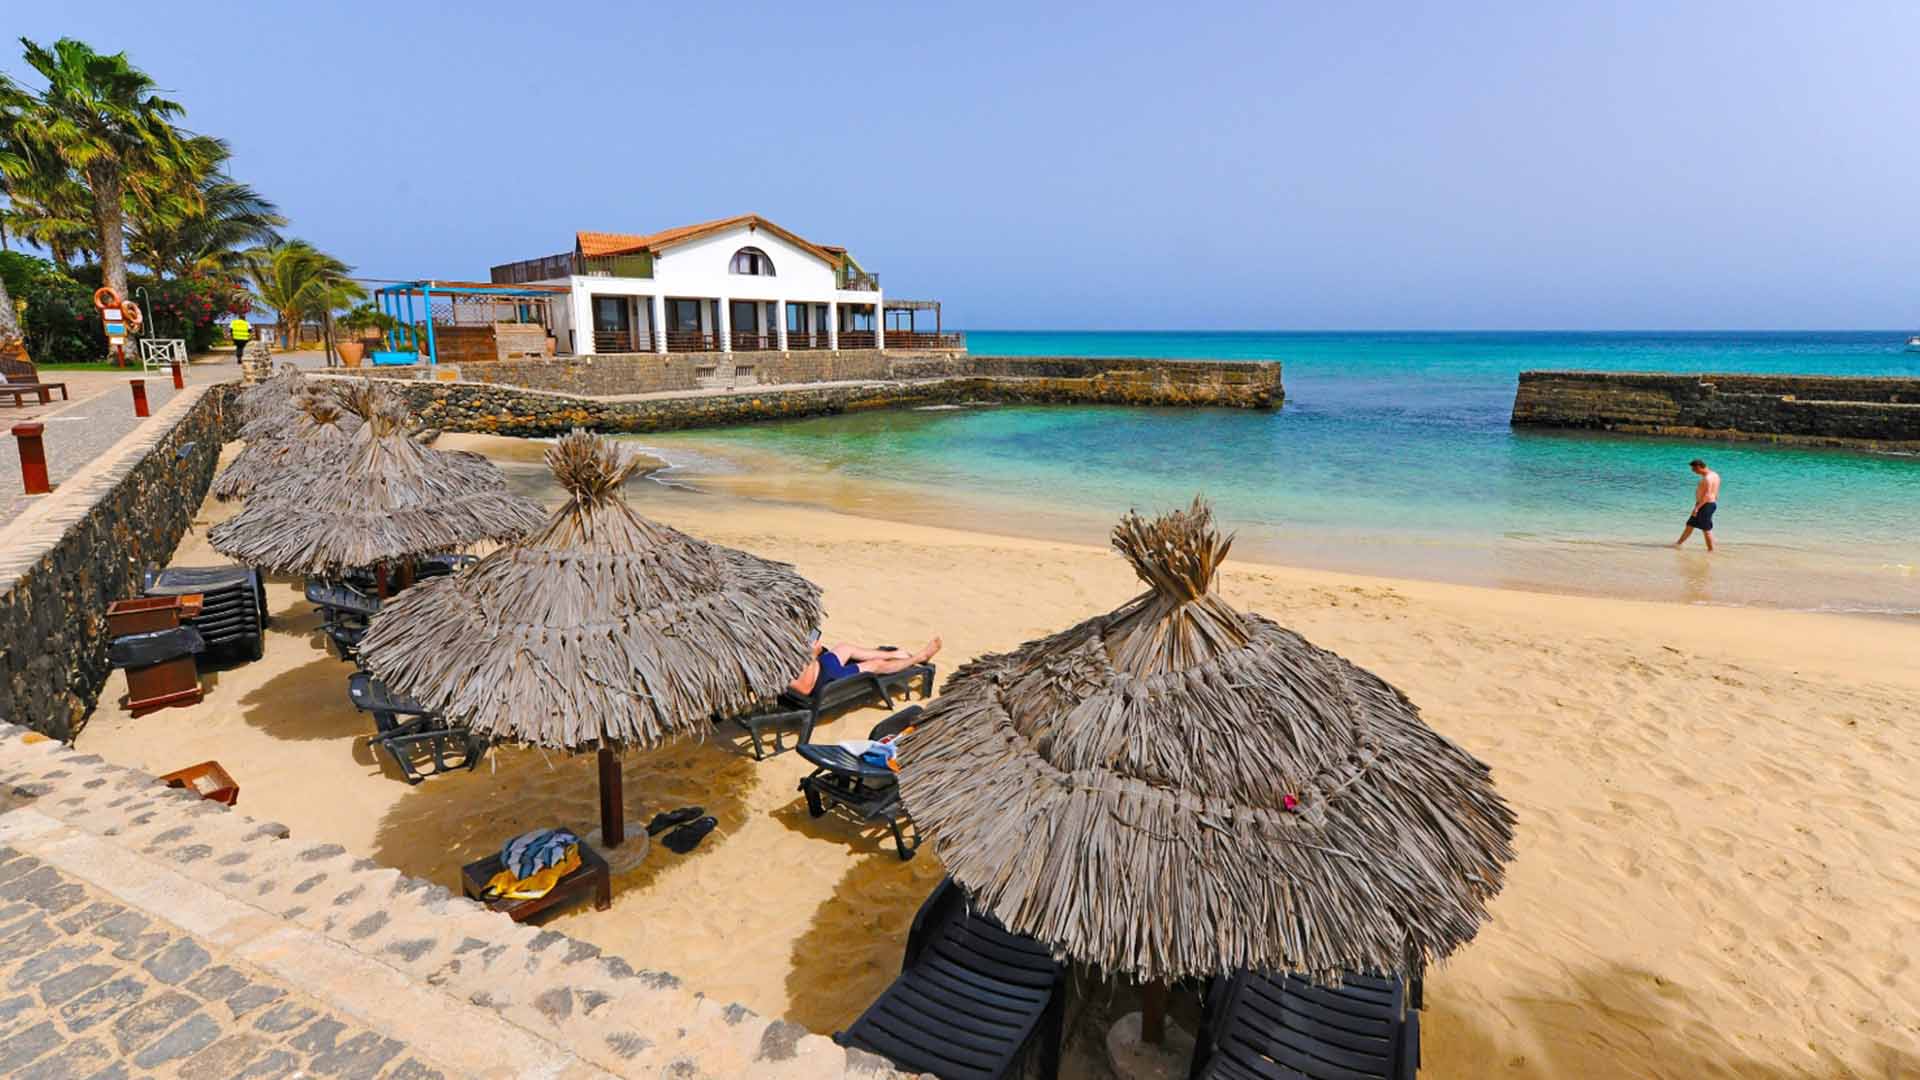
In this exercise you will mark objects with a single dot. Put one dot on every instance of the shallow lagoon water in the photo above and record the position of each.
(1392, 456)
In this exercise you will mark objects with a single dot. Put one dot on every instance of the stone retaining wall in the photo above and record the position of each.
(73, 551)
(1813, 409)
(1116, 381)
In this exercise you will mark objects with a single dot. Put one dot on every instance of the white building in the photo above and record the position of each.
(737, 284)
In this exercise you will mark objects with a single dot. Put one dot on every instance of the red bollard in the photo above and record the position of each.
(179, 383)
(139, 397)
(33, 458)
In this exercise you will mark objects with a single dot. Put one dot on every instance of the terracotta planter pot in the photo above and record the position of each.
(351, 352)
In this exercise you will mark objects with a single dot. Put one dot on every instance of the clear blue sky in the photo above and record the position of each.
(1273, 165)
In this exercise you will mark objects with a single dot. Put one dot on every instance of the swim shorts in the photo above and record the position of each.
(1702, 518)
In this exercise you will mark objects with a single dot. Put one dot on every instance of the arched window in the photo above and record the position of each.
(751, 260)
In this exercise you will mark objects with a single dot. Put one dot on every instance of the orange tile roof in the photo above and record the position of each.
(604, 243)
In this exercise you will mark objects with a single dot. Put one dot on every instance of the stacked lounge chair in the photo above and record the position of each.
(1284, 1027)
(233, 616)
(869, 792)
(972, 1000)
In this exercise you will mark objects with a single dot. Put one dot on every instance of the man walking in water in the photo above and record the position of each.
(1706, 498)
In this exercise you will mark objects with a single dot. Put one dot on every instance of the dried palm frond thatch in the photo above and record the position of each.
(1180, 789)
(320, 434)
(269, 394)
(390, 499)
(601, 629)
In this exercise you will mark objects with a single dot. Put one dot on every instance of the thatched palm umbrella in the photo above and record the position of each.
(390, 500)
(1179, 789)
(319, 432)
(601, 631)
(272, 394)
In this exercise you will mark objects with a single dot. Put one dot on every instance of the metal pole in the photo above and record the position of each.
(433, 353)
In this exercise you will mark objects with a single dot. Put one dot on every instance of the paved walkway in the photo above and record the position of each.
(147, 933)
(94, 988)
(81, 430)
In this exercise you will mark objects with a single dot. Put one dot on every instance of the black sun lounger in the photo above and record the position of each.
(870, 793)
(404, 728)
(971, 1000)
(344, 611)
(805, 710)
(1284, 1027)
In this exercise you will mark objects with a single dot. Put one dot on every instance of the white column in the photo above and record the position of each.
(659, 323)
(581, 304)
(780, 323)
(879, 321)
(833, 325)
(726, 324)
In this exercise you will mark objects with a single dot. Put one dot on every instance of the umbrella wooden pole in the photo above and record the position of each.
(406, 574)
(1153, 1013)
(613, 827)
(380, 579)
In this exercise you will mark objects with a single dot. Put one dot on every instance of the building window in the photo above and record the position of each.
(751, 260)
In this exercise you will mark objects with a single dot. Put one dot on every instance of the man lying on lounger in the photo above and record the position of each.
(847, 659)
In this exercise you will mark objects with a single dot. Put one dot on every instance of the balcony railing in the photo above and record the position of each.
(636, 265)
(548, 268)
(692, 341)
(857, 280)
(910, 339)
(797, 340)
(856, 339)
(553, 267)
(622, 341)
(754, 341)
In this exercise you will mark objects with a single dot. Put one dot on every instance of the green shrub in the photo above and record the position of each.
(60, 324)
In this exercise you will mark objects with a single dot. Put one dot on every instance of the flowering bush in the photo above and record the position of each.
(194, 309)
(60, 324)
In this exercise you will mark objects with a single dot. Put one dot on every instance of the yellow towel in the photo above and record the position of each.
(534, 886)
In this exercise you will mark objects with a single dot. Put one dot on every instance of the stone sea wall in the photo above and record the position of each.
(500, 407)
(71, 552)
(1811, 409)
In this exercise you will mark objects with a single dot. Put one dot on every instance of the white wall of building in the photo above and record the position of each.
(701, 269)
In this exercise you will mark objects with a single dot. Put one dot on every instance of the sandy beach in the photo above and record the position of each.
(1716, 877)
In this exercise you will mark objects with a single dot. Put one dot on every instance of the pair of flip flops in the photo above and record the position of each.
(690, 825)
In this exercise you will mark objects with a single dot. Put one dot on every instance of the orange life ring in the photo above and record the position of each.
(104, 297)
(130, 313)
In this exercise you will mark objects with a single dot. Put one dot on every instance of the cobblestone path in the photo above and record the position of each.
(91, 989)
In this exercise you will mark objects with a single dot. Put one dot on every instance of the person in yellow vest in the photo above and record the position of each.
(242, 332)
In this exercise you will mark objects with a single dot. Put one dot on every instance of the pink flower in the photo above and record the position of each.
(1290, 802)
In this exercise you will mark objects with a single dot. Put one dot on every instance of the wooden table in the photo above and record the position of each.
(592, 876)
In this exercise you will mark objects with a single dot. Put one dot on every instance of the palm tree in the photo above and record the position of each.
(99, 115)
(207, 235)
(296, 279)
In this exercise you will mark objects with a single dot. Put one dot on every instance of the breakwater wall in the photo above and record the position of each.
(1136, 380)
(70, 553)
(1821, 410)
(509, 409)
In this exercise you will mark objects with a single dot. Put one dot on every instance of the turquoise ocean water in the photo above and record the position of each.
(1393, 456)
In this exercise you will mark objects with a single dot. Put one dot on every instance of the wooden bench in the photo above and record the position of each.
(22, 378)
(591, 877)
